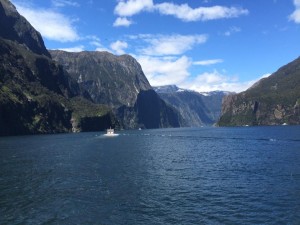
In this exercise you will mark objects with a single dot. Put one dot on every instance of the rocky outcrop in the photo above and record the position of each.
(271, 101)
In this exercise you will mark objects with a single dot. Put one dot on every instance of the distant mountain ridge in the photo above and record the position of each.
(274, 100)
(168, 89)
(196, 109)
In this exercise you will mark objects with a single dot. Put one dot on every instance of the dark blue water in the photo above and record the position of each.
(245, 175)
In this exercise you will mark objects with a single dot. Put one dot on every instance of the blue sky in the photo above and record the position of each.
(203, 45)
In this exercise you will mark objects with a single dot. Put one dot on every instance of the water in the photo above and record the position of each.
(245, 175)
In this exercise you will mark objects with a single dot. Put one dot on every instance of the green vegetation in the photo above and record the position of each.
(276, 97)
(83, 108)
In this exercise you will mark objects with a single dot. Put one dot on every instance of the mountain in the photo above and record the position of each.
(195, 108)
(273, 100)
(149, 111)
(16, 28)
(36, 94)
(90, 91)
(168, 89)
(118, 81)
(109, 79)
(213, 101)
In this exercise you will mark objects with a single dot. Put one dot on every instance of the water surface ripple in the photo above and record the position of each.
(246, 175)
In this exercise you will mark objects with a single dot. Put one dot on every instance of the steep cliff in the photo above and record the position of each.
(118, 81)
(36, 94)
(149, 111)
(271, 101)
(109, 79)
(196, 109)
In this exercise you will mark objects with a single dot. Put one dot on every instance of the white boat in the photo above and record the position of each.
(110, 133)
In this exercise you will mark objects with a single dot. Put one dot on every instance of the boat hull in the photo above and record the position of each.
(110, 135)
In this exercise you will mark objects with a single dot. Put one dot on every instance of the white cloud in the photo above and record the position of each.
(63, 3)
(232, 30)
(295, 16)
(78, 48)
(122, 21)
(93, 38)
(183, 12)
(170, 44)
(212, 81)
(186, 13)
(52, 25)
(165, 70)
(102, 49)
(175, 70)
(208, 62)
(118, 47)
(165, 64)
(96, 43)
(132, 7)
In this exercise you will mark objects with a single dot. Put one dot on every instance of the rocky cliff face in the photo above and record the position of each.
(36, 94)
(118, 81)
(149, 111)
(271, 101)
(109, 79)
(195, 109)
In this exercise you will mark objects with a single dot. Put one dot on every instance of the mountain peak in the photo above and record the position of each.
(16, 28)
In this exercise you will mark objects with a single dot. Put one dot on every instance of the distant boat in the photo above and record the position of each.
(110, 133)
(284, 124)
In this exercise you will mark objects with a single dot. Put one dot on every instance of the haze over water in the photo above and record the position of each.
(248, 175)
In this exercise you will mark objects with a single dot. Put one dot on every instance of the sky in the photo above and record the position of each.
(202, 45)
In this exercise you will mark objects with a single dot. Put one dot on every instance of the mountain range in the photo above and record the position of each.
(119, 82)
(196, 109)
(82, 92)
(53, 91)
